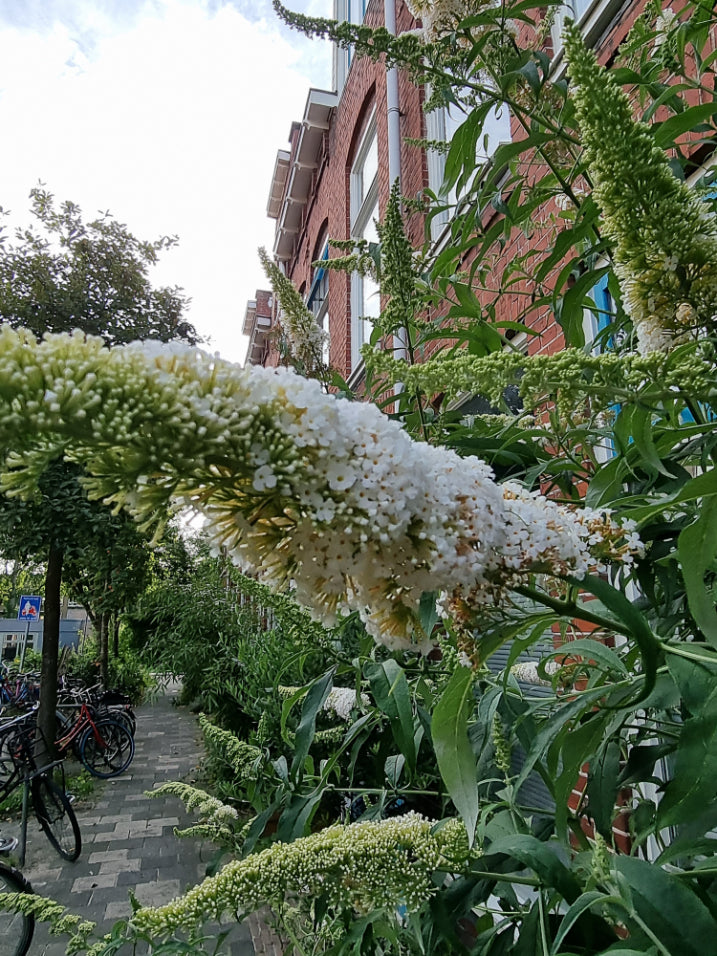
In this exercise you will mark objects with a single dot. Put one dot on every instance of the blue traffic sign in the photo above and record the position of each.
(29, 607)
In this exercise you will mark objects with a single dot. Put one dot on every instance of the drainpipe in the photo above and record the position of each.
(393, 116)
(392, 107)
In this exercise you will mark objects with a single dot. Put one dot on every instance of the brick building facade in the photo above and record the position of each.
(349, 146)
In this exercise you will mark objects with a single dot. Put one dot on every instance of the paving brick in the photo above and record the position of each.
(157, 892)
(107, 855)
(145, 875)
(94, 881)
(118, 910)
(120, 866)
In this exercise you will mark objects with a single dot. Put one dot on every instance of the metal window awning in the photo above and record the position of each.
(256, 326)
(293, 173)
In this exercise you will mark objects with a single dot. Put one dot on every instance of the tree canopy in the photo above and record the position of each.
(64, 273)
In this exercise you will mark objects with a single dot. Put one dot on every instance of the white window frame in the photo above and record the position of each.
(592, 16)
(318, 302)
(363, 210)
(351, 11)
(441, 124)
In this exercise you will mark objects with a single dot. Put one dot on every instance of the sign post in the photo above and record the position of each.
(29, 611)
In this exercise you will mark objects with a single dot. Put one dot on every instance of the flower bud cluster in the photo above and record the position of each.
(666, 252)
(357, 868)
(207, 807)
(243, 758)
(296, 485)
(569, 378)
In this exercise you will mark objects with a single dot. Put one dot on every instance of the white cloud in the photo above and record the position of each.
(171, 120)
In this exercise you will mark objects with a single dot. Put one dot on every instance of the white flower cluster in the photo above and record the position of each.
(342, 701)
(360, 868)
(440, 17)
(527, 672)
(296, 485)
(305, 338)
(664, 25)
(652, 336)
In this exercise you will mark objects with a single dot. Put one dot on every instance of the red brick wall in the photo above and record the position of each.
(365, 89)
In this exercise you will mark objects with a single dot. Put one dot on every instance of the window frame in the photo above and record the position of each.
(317, 301)
(364, 210)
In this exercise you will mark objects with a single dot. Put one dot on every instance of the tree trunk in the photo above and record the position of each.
(50, 651)
(104, 649)
(115, 636)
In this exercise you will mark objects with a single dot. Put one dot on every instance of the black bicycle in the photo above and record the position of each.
(16, 928)
(50, 803)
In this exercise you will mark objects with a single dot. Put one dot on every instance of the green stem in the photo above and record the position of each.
(543, 935)
(506, 878)
(648, 932)
(680, 652)
(569, 609)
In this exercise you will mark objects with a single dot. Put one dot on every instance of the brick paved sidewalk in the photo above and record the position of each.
(127, 838)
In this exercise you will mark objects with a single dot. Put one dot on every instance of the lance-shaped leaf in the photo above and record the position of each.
(393, 698)
(456, 760)
(697, 550)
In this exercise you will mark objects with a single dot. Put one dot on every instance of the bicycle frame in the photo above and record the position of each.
(83, 720)
(21, 735)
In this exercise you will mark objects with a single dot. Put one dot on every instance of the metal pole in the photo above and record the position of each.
(24, 644)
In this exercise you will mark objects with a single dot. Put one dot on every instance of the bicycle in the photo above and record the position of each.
(104, 745)
(106, 704)
(50, 803)
(16, 929)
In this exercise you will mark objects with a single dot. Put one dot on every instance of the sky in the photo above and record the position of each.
(168, 114)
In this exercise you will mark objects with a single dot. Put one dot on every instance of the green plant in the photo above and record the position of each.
(617, 564)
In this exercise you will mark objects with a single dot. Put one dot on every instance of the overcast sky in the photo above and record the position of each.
(167, 113)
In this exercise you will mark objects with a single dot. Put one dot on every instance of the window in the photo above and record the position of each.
(573, 10)
(318, 300)
(441, 124)
(596, 321)
(594, 16)
(354, 11)
(365, 299)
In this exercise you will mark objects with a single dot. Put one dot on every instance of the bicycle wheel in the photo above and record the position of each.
(123, 715)
(56, 817)
(112, 753)
(16, 929)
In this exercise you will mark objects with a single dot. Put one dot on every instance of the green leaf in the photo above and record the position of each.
(671, 129)
(428, 614)
(590, 650)
(607, 483)
(576, 910)
(602, 787)
(542, 858)
(630, 622)
(550, 730)
(295, 819)
(696, 681)
(393, 697)
(694, 781)
(315, 698)
(454, 754)
(697, 550)
(674, 914)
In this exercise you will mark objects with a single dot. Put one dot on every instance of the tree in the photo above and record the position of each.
(68, 274)
(108, 569)
(60, 275)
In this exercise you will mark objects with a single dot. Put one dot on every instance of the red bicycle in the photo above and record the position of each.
(104, 745)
